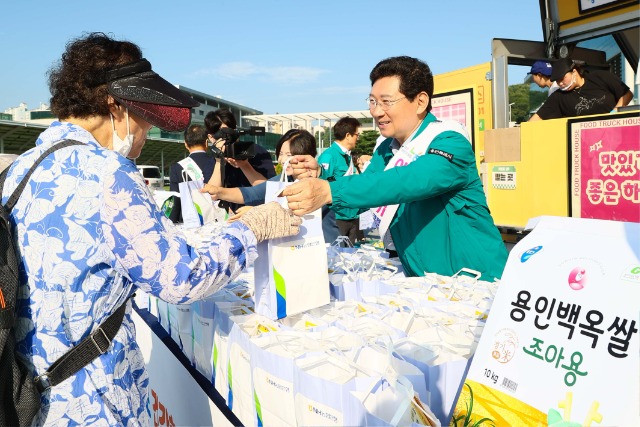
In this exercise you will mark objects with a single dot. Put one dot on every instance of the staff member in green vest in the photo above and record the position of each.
(336, 161)
(423, 179)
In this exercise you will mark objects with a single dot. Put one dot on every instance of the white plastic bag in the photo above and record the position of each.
(197, 208)
(291, 272)
(240, 396)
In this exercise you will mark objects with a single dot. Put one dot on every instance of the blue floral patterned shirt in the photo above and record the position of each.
(89, 235)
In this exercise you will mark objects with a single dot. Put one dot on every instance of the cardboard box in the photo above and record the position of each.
(502, 145)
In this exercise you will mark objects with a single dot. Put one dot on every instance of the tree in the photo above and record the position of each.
(366, 143)
(519, 97)
(525, 100)
(537, 98)
(323, 138)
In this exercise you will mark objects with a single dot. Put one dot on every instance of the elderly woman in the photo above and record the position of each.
(89, 233)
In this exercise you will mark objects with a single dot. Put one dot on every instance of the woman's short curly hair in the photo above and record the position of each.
(76, 81)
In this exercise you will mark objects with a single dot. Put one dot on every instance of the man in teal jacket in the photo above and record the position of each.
(336, 161)
(442, 223)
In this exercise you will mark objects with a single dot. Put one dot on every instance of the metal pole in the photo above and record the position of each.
(162, 164)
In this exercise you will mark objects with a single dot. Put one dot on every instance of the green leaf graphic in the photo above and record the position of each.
(280, 285)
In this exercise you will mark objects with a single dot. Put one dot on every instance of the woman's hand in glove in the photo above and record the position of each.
(271, 220)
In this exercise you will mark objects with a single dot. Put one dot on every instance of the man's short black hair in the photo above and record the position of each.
(344, 126)
(195, 135)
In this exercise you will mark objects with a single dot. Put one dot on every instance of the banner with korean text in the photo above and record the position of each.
(561, 344)
(605, 167)
(176, 398)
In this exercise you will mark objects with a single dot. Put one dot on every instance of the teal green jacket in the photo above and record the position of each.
(443, 223)
(335, 163)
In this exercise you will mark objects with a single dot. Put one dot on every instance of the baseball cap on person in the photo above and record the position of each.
(560, 68)
(150, 96)
(541, 67)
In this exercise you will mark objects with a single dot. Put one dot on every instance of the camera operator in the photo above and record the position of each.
(242, 173)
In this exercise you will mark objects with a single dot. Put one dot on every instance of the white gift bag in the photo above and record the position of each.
(334, 338)
(202, 324)
(142, 300)
(197, 208)
(174, 327)
(370, 328)
(451, 334)
(392, 401)
(320, 318)
(380, 358)
(408, 321)
(153, 306)
(185, 330)
(330, 389)
(322, 386)
(350, 270)
(337, 282)
(362, 288)
(223, 312)
(273, 368)
(340, 310)
(163, 314)
(240, 396)
(291, 273)
(304, 322)
(444, 374)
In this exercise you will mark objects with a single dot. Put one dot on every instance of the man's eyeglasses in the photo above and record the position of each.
(384, 104)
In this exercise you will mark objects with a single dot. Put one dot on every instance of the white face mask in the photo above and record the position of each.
(119, 145)
(573, 81)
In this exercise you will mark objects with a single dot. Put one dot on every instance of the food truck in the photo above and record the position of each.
(549, 167)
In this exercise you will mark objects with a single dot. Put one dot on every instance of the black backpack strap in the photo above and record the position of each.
(8, 288)
(82, 354)
(13, 199)
(100, 340)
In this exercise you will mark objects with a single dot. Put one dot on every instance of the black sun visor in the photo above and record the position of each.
(149, 96)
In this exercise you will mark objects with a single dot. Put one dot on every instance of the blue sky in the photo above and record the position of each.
(275, 56)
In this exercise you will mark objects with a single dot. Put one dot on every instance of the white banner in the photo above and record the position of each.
(176, 399)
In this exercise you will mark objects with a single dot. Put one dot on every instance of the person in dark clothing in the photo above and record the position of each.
(242, 173)
(195, 140)
(582, 93)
